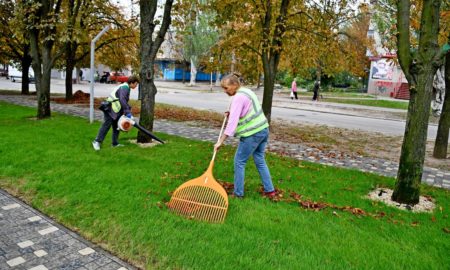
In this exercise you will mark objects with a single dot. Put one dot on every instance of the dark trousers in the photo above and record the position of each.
(108, 121)
(295, 95)
(315, 95)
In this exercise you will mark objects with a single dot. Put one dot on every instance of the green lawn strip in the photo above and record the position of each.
(358, 99)
(330, 94)
(370, 102)
(116, 197)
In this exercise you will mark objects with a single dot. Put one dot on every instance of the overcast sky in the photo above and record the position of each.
(126, 6)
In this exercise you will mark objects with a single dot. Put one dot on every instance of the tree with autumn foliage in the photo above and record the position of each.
(330, 38)
(151, 40)
(313, 32)
(195, 33)
(42, 18)
(14, 40)
(258, 26)
(116, 49)
(419, 63)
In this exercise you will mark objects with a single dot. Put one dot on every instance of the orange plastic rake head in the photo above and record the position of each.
(201, 198)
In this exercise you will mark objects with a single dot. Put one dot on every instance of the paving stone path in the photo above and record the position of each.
(30, 240)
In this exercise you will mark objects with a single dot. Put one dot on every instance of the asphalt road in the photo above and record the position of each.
(198, 97)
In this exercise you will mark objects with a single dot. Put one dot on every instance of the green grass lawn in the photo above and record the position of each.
(370, 102)
(115, 197)
(337, 94)
(358, 99)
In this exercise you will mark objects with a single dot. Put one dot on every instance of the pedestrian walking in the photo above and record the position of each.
(118, 106)
(294, 89)
(81, 75)
(316, 91)
(247, 121)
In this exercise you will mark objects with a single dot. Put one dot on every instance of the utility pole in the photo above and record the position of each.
(211, 60)
(91, 101)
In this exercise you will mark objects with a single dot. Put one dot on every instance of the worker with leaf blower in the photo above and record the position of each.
(113, 108)
(247, 121)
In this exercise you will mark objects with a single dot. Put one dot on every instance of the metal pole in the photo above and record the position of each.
(211, 83)
(211, 60)
(91, 102)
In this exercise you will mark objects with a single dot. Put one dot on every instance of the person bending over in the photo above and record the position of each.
(118, 106)
(247, 121)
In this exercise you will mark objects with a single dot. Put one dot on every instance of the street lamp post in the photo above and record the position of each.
(91, 101)
(211, 60)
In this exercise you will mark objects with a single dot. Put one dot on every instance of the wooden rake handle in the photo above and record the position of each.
(218, 139)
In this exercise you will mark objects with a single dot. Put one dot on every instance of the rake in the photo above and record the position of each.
(201, 198)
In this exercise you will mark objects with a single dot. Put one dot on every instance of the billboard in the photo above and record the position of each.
(382, 69)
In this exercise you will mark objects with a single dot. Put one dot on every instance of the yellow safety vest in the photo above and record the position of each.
(115, 103)
(255, 120)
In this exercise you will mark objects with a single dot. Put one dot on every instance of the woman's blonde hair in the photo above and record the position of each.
(233, 78)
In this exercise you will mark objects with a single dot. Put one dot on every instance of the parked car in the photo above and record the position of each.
(105, 77)
(15, 74)
(118, 77)
(3, 72)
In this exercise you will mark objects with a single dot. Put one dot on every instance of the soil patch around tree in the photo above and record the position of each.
(426, 204)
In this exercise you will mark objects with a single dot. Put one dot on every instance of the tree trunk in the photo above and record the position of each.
(26, 64)
(148, 93)
(419, 70)
(42, 54)
(271, 54)
(70, 66)
(148, 89)
(193, 72)
(43, 95)
(258, 85)
(269, 82)
(407, 188)
(68, 82)
(217, 78)
(441, 144)
(233, 62)
(148, 51)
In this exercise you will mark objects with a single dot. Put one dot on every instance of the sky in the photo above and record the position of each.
(126, 6)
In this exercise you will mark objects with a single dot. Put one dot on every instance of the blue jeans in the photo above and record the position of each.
(253, 145)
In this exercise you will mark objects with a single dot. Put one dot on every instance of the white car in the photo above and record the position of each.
(16, 75)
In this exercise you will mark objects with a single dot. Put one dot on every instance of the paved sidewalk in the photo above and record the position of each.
(30, 240)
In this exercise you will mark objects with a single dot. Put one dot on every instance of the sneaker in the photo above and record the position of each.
(96, 145)
(236, 196)
(270, 194)
(118, 145)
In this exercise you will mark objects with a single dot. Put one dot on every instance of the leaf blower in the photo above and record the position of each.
(125, 124)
